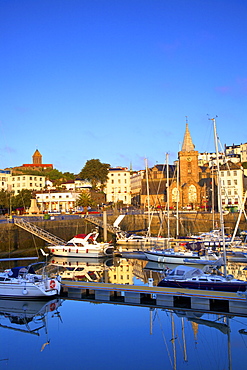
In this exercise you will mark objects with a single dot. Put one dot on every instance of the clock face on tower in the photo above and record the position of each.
(189, 159)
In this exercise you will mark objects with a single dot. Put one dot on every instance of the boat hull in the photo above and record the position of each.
(221, 286)
(176, 259)
(81, 252)
(28, 290)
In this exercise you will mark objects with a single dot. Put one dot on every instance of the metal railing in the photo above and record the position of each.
(37, 231)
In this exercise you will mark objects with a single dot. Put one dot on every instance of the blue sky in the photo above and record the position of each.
(115, 79)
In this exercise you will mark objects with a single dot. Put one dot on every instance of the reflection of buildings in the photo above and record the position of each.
(121, 274)
(237, 270)
(138, 269)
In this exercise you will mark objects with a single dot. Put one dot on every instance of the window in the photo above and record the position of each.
(30, 178)
(228, 182)
(119, 181)
(235, 182)
(228, 173)
(35, 178)
(112, 181)
(31, 184)
(234, 173)
(222, 173)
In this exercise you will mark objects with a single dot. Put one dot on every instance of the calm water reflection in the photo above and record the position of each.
(82, 335)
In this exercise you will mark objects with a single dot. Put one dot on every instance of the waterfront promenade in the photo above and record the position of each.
(65, 227)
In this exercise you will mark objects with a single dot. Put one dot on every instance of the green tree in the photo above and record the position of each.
(5, 200)
(55, 176)
(22, 200)
(95, 172)
(85, 200)
(68, 176)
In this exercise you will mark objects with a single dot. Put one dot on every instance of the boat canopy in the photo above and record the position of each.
(184, 272)
(15, 271)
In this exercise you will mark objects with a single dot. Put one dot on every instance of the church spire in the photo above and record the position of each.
(188, 145)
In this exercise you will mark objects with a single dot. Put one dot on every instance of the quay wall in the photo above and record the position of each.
(13, 239)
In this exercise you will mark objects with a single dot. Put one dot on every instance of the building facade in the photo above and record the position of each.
(57, 201)
(232, 189)
(29, 182)
(5, 176)
(117, 188)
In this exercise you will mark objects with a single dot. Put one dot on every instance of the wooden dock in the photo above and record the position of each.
(173, 298)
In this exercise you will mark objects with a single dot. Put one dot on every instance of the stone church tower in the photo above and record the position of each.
(187, 187)
(37, 157)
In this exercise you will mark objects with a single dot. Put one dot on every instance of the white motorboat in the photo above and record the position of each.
(83, 245)
(182, 257)
(128, 240)
(23, 282)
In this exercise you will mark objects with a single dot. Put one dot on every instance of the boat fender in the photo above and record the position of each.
(24, 292)
(77, 251)
(52, 307)
(52, 284)
(86, 250)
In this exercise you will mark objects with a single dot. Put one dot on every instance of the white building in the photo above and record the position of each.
(232, 180)
(239, 151)
(118, 185)
(57, 201)
(76, 185)
(29, 182)
(136, 187)
(5, 176)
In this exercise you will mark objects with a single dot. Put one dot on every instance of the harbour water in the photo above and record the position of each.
(68, 333)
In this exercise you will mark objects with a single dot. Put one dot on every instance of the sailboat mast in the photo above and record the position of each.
(148, 198)
(177, 201)
(219, 195)
(168, 197)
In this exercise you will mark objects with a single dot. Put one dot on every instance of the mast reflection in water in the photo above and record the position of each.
(80, 334)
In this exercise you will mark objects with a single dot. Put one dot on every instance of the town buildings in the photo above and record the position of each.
(190, 183)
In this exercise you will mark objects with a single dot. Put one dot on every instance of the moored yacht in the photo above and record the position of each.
(83, 245)
(194, 278)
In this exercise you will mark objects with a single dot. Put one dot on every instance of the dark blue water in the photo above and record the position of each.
(69, 334)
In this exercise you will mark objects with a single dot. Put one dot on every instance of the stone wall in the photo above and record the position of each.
(13, 239)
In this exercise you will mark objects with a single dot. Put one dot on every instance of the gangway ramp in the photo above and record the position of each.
(99, 222)
(37, 231)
